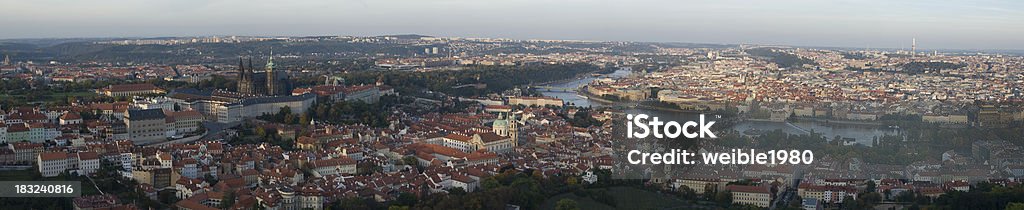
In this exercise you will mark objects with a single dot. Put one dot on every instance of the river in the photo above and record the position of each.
(862, 134)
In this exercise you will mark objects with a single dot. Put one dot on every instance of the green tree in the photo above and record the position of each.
(406, 199)
(687, 193)
(1015, 206)
(850, 203)
(566, 204)
(571, 181)
(398, 207)
(353, 203)
(723, 198)
(489, 183)
(869, 199)
(870, 186)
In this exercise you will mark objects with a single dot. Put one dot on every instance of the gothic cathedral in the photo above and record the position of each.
(267, 82)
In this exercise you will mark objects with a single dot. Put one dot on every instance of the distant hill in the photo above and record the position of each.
(783, 59)
(82, 51)
(51, 42)
(691, 45)
(407, 36)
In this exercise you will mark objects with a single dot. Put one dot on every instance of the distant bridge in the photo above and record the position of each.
(553, 89)
(477, 86)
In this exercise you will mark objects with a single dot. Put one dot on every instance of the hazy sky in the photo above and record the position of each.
(984, 24)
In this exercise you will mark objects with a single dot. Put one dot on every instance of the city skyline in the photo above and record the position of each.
(990, 25)
(516, 104)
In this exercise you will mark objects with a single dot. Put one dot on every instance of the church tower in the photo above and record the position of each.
(513, 129)
(272, 86)
(506, 125)
(244, 78)
(500, 125)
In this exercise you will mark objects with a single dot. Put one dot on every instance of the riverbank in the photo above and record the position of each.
(844, 122)
(581, 76)
(634, 104)
(863, 132)
(577, 77)
(597, 98)
(689, 111)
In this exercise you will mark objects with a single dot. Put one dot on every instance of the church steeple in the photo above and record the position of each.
(270, 61)
(245, 78)
(272, 87)
(513, 129)
(241, 68)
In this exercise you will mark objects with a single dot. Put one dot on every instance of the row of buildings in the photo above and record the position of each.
(155, 125)
(228, 107)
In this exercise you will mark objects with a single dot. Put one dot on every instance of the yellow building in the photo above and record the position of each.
(130, 90)
(758, 196)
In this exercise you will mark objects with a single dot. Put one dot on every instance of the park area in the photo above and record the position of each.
(624, 198)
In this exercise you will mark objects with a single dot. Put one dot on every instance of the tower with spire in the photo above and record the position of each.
(245, 76)
(513, 129)
(506, 125)
(272, 86)
(268, 82)
(7, 60)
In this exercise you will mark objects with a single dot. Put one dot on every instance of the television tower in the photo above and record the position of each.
(913, 46)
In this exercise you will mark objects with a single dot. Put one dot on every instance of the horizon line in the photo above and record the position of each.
(517, 39)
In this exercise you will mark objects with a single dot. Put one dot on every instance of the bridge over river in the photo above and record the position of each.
(546, 88)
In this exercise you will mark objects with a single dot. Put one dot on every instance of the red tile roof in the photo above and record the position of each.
(51, 156)
(88, 156)
(491, 137)
(458, 137)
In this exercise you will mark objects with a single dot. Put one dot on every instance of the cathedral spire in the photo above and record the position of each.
(241, 67)
(270, 61)
(244, 78)
(273, 88)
